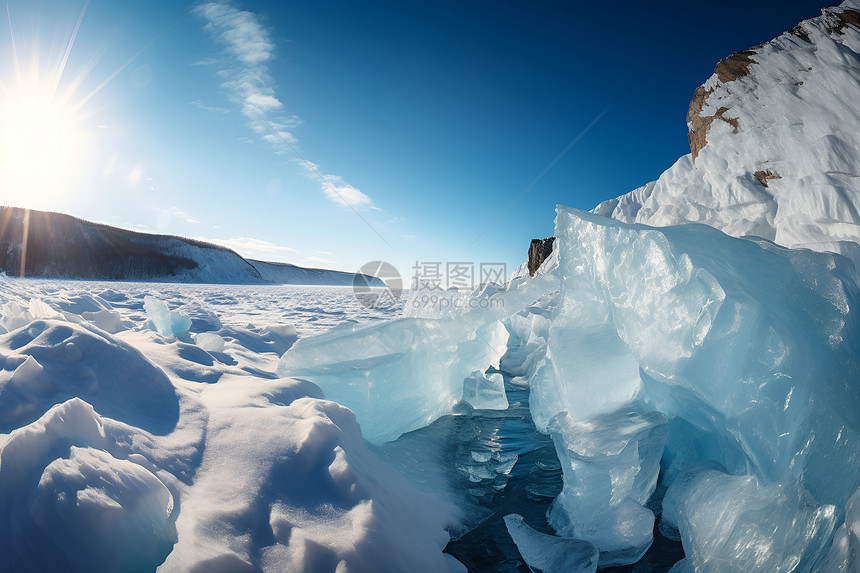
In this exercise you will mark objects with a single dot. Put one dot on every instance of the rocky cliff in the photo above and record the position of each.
(775, 144)
(539, 251)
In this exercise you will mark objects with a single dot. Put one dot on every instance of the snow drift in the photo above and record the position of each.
(140, 450)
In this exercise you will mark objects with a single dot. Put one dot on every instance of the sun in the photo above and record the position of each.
(45, 148)
(46, 144)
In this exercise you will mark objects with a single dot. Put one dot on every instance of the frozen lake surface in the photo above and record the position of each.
(630, 394)
(133, 447)
(312, 309)
(493, 462)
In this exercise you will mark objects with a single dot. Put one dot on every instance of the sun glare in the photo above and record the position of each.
(44, 149)
(46, 146)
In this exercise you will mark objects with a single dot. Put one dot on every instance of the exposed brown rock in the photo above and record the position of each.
(850, 17)
(735, 66)
(539, 251)
(699, 125)
(843, 19)
(764, 176)
(800, 33)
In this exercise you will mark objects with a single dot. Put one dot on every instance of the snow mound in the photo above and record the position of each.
(49, 362)
(137, 451)
(108, 320)
(67, 503)
(286, 483)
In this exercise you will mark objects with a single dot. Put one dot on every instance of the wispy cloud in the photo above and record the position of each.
(248, 50)
(335, 188)
(165, 217)
(247, 47)
(205, 107)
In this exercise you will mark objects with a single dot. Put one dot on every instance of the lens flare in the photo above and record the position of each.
(45, 149)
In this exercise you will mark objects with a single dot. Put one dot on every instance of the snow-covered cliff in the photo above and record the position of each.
(775, 144)
(36, 243)
(285, 273)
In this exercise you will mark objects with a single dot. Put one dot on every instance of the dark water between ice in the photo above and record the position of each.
(528, 489)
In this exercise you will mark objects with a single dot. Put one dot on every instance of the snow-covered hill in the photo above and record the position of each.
(775, 144)
(285, 273)
(36, 243)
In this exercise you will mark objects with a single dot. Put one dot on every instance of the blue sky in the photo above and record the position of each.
(255, 124)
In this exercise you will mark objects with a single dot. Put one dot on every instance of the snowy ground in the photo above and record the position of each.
(122, 447)
(311, 309)
(675, 380)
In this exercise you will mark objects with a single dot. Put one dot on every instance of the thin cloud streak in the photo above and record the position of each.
(335, 188)
(326, 184)
(247, 83)
(210, 108)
